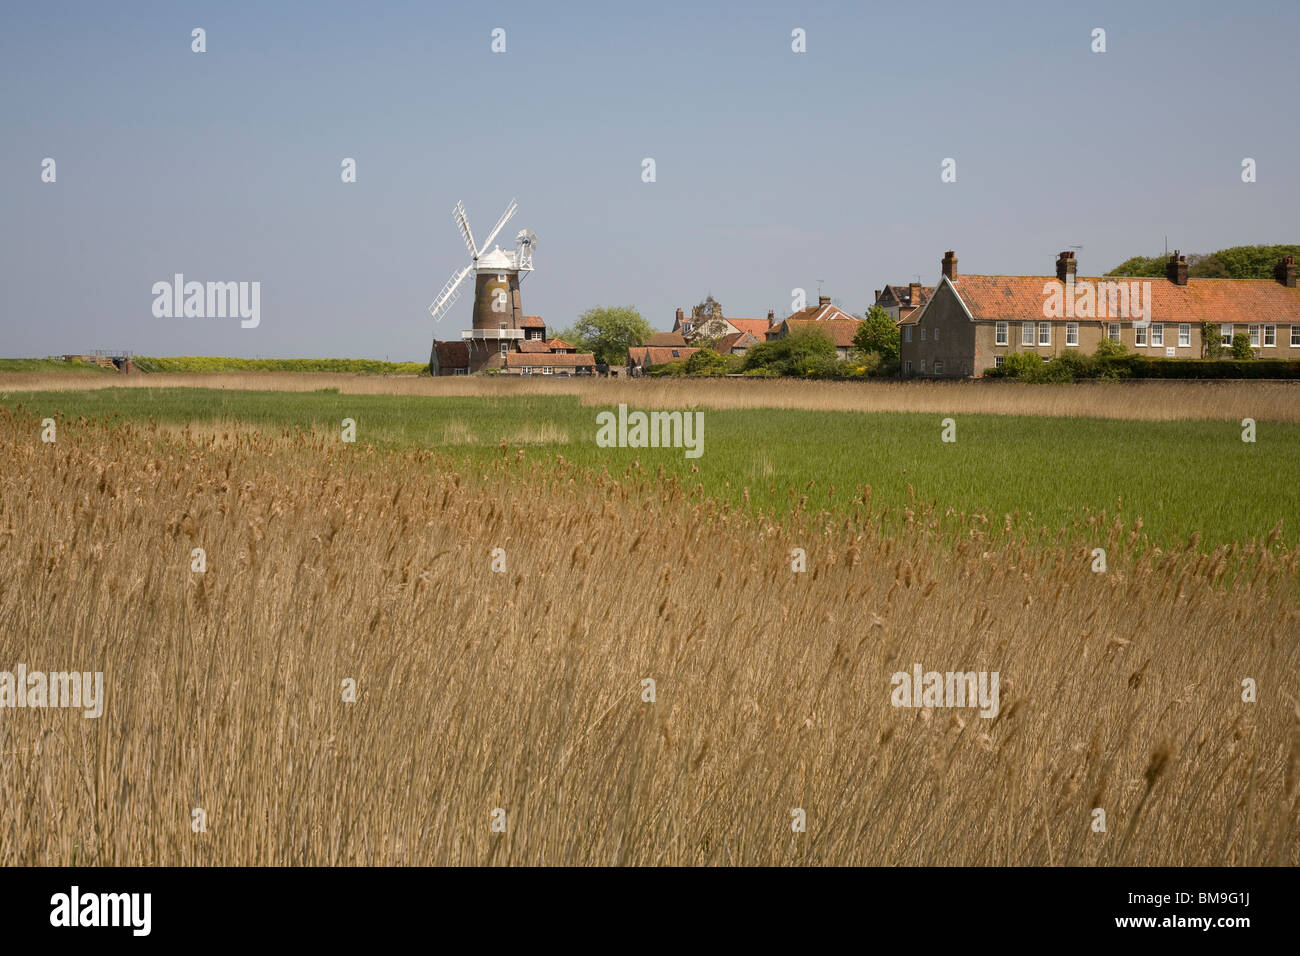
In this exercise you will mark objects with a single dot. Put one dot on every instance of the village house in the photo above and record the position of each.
(706, 323)
(901, 301)
(840, 325)
(972, 322)
(641, 357)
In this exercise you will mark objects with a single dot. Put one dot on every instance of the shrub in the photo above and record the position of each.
(1241, 346)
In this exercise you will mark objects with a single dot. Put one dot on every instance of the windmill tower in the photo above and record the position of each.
(498, 313)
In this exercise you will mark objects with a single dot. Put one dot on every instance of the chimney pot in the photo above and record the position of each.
(950, 265)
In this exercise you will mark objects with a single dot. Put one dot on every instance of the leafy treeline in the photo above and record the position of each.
(209, 363)
(1238, 262)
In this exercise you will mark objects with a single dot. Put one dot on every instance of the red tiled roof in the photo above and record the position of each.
(841, 330)
(667, 339)
(532, 346)
(823, 313)
(558, 343)
(532, 322)
(642, 355)
(1236, 301)
(452, 354)
(729, 342)
(553, 359)
(755, 327)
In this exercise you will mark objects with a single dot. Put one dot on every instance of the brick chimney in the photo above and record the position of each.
(950, 265)
(1284, 271)
(680, 316)
(914, 293)
(1066, 265)
(1176, 270)
(771, 317)
(823, 300)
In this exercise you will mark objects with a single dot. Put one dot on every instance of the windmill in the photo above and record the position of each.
(497, 314)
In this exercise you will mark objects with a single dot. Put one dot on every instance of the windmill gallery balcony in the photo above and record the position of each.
(492, 334)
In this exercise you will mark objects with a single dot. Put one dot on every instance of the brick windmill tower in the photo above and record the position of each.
(498, 313)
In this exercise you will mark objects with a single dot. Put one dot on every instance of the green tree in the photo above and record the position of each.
(802, 349)
(1241, 346)
(1237, 262)
(607, 332)
(1211, 340)
(878, 333)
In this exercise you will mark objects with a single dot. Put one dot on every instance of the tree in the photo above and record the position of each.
(878, 333)
(1211, 340)
(607, 332)
(1237, 262)
(802, 349)
(1109, 348)
(1241, 346)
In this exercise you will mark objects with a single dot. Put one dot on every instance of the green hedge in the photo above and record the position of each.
(1072, 367)
(208, 363)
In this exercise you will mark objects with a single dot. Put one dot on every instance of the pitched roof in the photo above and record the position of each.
(558, 343)
(653, 355)
(902, 294)
(755, 327)
(532, 322)
(841, 330)
(731, 340)
(823, 313)
(1236, 301)
(533, 345)
(666, 338)
(552, 359)
(452, 354)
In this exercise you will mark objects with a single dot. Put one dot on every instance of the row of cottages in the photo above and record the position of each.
(971, 323)
(533, 354)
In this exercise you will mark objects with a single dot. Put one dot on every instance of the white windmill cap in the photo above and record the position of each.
(496, 259)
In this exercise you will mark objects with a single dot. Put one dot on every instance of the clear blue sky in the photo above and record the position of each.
(774, 169)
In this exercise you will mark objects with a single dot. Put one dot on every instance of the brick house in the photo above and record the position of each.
(971, 323)
(641, 357)
(840, 325)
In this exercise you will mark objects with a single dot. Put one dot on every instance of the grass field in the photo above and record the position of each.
(519, 695)
(1166, 480)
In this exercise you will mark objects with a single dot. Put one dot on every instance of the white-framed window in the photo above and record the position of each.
(1026, 333)
(907, 334)
(923, 335)
(1071, 333)
(1254, 336)
(1295, 336)
(999, 361)
(526, 370)
(907, 366)
(1044, 333)
(1000, 334)
(505, 346)
(1270, 336)
(938, 367)
(1157, 335)
(547, 370)
(1225, 333)
(936, 335)
(1112, 331)
(535, 335)
(1140, 335)
(460, 371)
(1184, 335)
